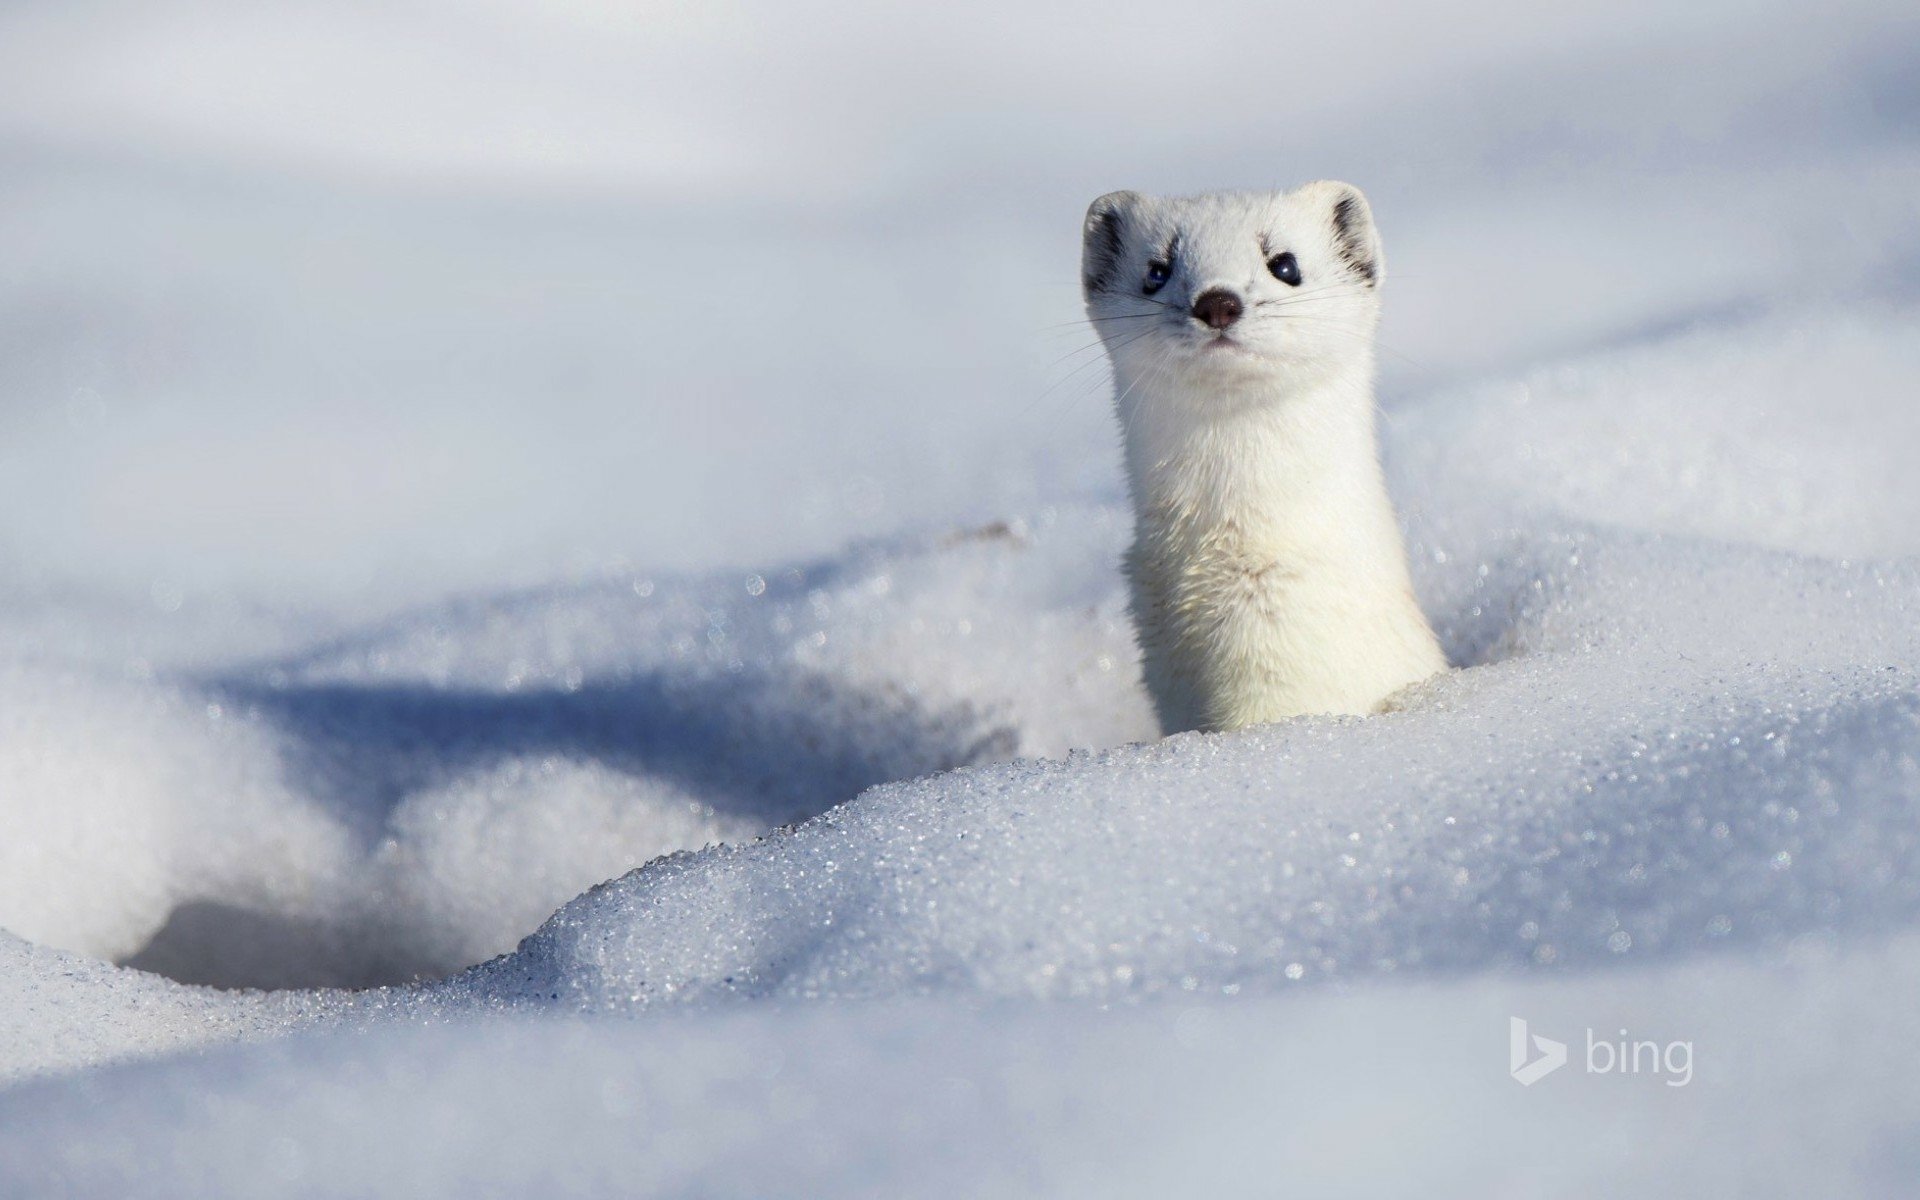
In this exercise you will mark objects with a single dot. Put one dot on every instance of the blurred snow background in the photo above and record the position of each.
(453, 455)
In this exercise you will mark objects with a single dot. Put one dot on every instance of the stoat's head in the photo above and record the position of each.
(1268, 289)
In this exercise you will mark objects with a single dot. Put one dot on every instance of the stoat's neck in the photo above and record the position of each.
(1288, 472)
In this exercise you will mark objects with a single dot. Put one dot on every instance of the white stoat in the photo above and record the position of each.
(1269, 579)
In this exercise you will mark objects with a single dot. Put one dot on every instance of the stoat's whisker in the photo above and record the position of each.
(1335, 325)
(1097, 320)
(1155, 300)
(1336, 285)
(1087, 383)
(1120, 402)
(1094, 361)
(1330, 292)
(1079, 367)
(1077, 352)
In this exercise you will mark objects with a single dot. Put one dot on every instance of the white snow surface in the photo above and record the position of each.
(606, 606)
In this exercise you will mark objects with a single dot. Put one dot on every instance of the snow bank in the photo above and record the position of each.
(1373, 1092)
(418, 797)
(125, 799)
(1689, 754)
(1787, 428)
(63, 1012)
(415, 797)
(1631, 777)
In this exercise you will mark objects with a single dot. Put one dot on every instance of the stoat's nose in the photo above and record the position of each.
(1217, 308)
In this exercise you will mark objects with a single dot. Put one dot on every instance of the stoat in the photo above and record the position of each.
(1268, 575)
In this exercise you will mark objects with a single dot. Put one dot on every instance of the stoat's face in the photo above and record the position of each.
(1213, 292)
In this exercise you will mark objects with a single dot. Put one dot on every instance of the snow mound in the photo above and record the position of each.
(1632, 776)
(1201, 1096)
(417, 797)
(125, 799)
(1622, 768)
(60, 1012)
(1785, 429)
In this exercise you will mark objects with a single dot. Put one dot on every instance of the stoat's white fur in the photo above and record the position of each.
(1268, 575)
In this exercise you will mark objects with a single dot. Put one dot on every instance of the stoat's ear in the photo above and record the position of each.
(1355, 239)
(1104, 239)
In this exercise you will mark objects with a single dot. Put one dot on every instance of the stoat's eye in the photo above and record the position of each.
(1157, 275)
(1285, 268)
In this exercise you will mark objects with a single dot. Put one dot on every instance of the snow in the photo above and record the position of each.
(605, 608)
(1372, 1092)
